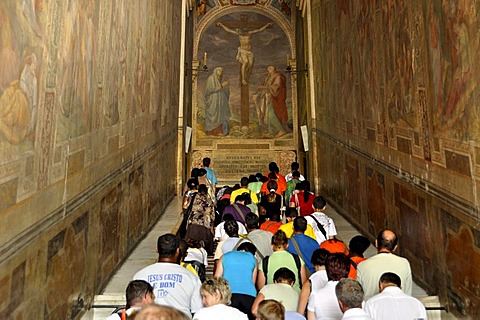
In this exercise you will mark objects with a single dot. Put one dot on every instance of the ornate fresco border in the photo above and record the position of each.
(416, 181)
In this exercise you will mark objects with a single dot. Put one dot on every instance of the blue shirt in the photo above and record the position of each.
(238, 267)
(211, 176)
(306, 245)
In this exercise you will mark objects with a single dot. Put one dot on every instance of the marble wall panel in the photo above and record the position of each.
(463, 272)
(375, 186)
(136, 206)
(352, 185)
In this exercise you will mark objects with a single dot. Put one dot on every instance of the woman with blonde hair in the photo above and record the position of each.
(216, 297)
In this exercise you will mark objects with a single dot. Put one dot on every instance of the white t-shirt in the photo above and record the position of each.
(197, 254)
(227, 245)
(323, 302)
(327, 224)
(219, 312)
(173, 286)
(357, 314)
(220, 233)
(392, 303)
(319, 279)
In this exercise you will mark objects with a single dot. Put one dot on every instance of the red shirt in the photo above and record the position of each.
(306, 208)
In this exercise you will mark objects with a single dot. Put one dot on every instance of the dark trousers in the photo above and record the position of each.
(243, 303)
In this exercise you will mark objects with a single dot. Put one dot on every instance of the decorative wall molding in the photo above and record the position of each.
(417, 182)
(16, 244)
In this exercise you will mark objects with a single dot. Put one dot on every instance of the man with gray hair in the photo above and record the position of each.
(350, 297)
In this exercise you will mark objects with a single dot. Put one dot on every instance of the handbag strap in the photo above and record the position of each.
(239, 211)
(320, 226)
(237, 244)
(297, 248)
(258, 251)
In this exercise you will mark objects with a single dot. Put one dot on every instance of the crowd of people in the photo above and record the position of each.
(276, 256)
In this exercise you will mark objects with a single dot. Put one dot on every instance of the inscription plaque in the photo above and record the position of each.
(230, 167)
(239, 165)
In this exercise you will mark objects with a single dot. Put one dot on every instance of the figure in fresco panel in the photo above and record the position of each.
(217, 109)
(285, 7)
(435, 53)
(460, 60)
(20, 36)
(202, 7)
(270, 100)
(87, 50)
(9, 60)
(77, 56)
(244, 54)
(449, 30)
(18, 104)
(400, 104)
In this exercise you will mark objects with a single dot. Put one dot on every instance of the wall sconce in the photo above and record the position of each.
(195, 68)
(293, 69)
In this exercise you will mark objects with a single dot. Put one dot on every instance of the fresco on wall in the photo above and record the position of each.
(284, 6)
(21, 48)
(246, 93)
(399, 71)
(454, 44)
(116, 64)
(203, 6)
(76, 79)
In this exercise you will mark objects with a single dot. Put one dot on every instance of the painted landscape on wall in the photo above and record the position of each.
(246, 92)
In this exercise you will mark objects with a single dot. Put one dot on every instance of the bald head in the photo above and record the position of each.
(387, 240)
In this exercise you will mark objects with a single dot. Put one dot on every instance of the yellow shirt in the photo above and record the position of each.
(288, 229)
(237, 192)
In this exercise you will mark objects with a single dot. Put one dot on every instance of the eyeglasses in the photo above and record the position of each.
(209, 282)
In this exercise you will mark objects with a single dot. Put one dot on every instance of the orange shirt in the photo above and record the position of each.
(281, 182)
(271, 226)
(353, 271)
(335, 246)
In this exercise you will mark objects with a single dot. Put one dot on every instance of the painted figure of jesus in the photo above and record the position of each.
(244, 54)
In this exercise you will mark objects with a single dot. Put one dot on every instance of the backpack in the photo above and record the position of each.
(123, 315)
(199, 267)
(121, 312)
(297, 263)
